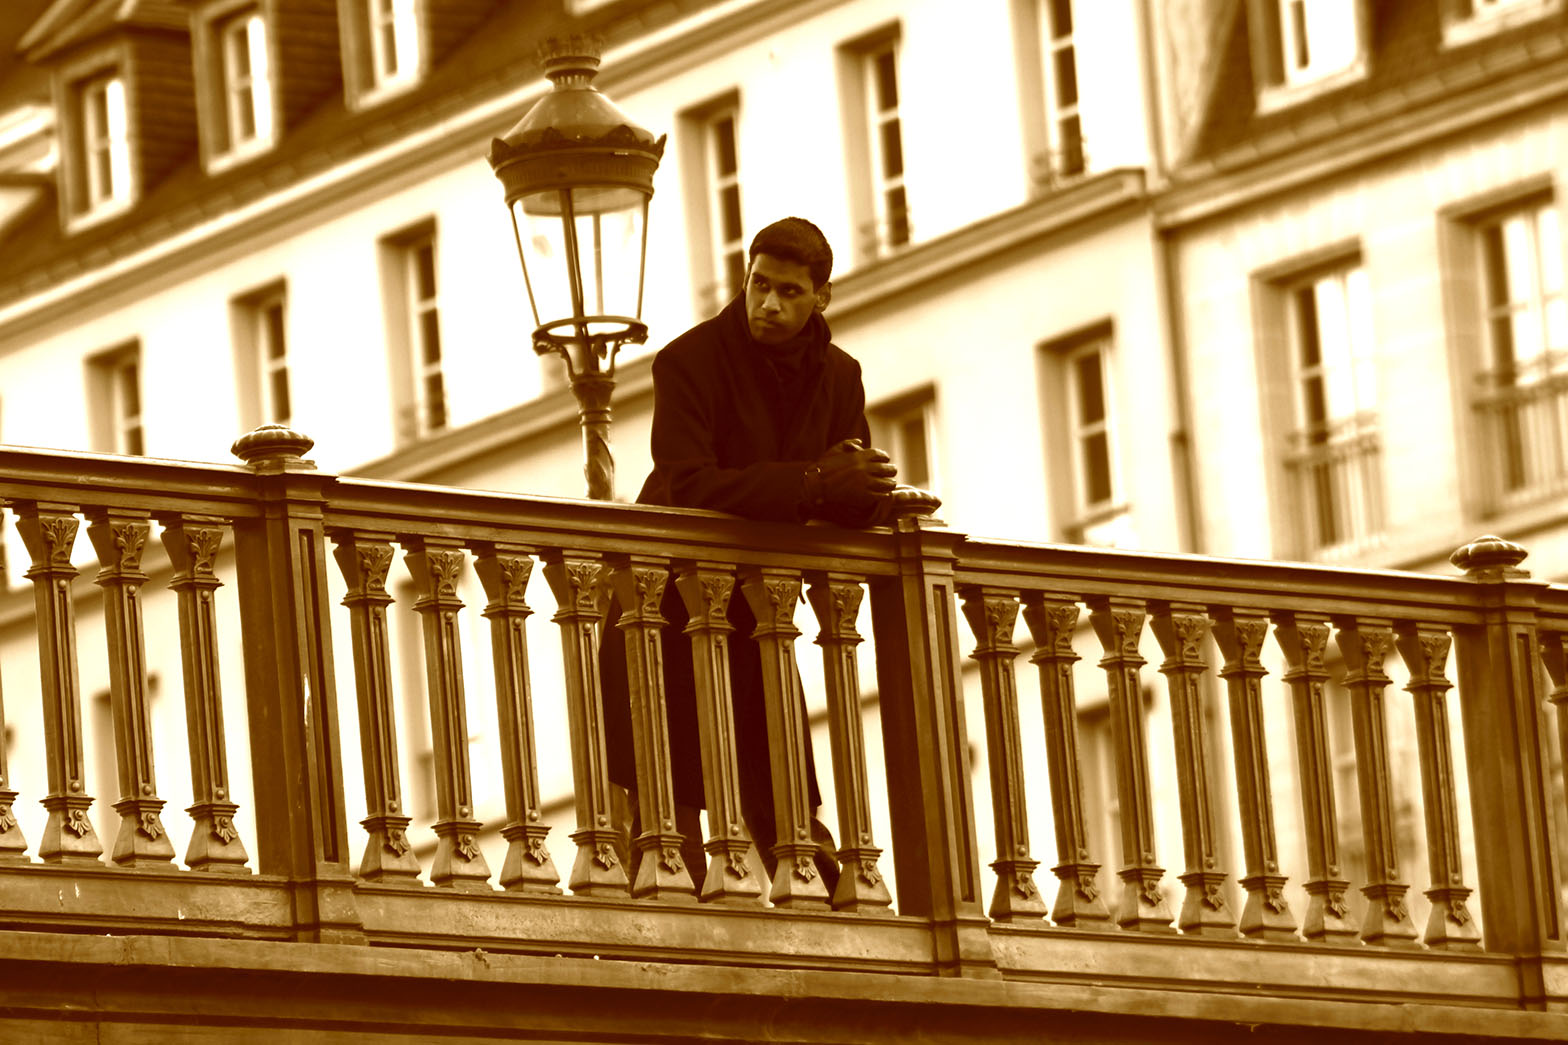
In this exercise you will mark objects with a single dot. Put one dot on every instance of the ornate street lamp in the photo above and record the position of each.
(578, 176)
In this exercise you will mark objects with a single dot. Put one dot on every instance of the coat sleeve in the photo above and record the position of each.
(685, 456)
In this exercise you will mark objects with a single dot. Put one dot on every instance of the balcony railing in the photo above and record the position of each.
(1336, 482)
(1108, 935)
(1524, 422)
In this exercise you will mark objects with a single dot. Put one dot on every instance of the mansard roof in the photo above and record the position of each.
(66, 23)
(494, 59)
(1409, 71)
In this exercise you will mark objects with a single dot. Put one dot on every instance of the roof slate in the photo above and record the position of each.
(1408, 68)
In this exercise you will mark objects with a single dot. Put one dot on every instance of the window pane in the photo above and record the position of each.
(1549, 248)
(425, 271)
(1066, 78)
(913, 454)
(279, 382)
(734, 270)
(1061, 17)
(892, 149)
(897, 216)
(729, 204)
(1097, 468)
(1091, 389)
(435, 401)
(430, 337)
(724, 145)
(1518, 262)
(133, 440)
(1307, 327)
(272, 331)
(130, 390)
(886, 73)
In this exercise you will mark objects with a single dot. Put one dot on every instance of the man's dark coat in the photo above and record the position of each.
(735, 426)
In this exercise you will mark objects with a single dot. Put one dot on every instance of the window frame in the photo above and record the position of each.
(1272, 31)
(882, 227)
(408, 314)
(261, 360)
(890, 420)
(703, 186)
(101, 176)
(117, 406)
(1078, 518)
(1065, 153)
(238, 99)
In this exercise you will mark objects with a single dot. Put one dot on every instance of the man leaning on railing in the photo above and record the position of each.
(757, 413)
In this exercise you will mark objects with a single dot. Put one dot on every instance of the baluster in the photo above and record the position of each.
(575, 581)
(1241, 636)
(993, 614)
(364, 560)
(1364, 642)
(13, 846)
(1052, 622)
(436, 566)
(1554, 655)
(504, 570)
(836, 598)
(1181, 630)
(1118, 623)
(661, 872)
(772, 595)
(192, 542)
(1424, 649)
(1303, 638)
(120, 538)
(49, 531)
(735, 873)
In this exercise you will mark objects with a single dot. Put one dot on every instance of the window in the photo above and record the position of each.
(1525, 389)
(1086, 493)
(906, 428)
(246, 85)
(869, 71)
(394, 41)
(414, 332)
(1064, 131)
(115, 392)
(1334, 461)
(729, 247)
(1300, 42)
(259, 323)
(1465, 20)
(105, 174)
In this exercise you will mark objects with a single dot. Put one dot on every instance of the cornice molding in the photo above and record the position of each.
(1055, 214)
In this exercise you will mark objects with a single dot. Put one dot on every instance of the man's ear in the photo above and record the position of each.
(824, 295)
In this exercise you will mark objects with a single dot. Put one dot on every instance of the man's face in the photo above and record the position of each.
(780, 298)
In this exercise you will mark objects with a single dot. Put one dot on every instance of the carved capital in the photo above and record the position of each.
(1424, 650)
(992, 617)
(1364, 644)
(836, 602)
(1241, 638)
(1052, 624)
(1303, 641)
(1181, 634)
(640, 588)
(436, 571)
(772, 597)
(575, 584)
(706, 591)
(1119, 627)
(49, 537)
(119, 543)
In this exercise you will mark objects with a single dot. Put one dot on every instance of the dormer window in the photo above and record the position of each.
(1466, 20)
(246, 83)
(394, 41)
(1301, 47)
(106, 157)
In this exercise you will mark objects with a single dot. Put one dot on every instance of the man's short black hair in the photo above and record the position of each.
(797, 240)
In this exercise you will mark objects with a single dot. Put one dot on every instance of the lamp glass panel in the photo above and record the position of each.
(582, 250)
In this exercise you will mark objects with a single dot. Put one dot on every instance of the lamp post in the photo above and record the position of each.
(578, 175)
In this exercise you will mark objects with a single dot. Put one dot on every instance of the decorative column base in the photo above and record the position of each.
(735, 874)
(796, 882)
(1142, 907)
(389, 859)
(598, 870)
(1388, 921)
(1451, 926)
(459, 863)
(528, 867)
(1328, 914)
(13, 847)
(1079, 904)
(1204, 911)
(1266, 915)
(661, 871)
(215, 843)
(141, 840)
(861, 888)
(68, 835)
(1016, 895)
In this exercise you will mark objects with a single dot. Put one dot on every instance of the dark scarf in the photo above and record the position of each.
(787, 370)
